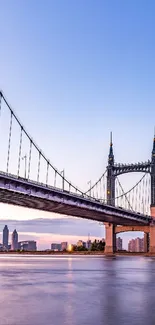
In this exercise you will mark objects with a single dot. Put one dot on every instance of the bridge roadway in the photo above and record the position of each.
(26, 193)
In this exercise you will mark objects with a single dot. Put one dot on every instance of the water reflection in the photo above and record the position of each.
(76, 290)
(71, 295)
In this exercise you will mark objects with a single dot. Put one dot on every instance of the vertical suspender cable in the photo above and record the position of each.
(139, 188)
(145, 201)
(100, 190)
(30, 151)
(149, 191)
(97, 191)
(9, 143)
(136, 202)
(129, 199)
(116, 195)
(55, 175)
(104, 188)
(38, 166)
(47, 172)
(20, 149)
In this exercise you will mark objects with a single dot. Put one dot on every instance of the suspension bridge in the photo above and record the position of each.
(42, 186)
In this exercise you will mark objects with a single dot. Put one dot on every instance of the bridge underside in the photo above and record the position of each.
(120, 229)
(32, 202)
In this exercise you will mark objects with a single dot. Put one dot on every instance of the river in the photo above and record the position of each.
(45, 290)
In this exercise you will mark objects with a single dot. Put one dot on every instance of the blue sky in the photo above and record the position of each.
(74, 71)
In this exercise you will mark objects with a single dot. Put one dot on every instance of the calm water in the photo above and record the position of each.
(76, 290)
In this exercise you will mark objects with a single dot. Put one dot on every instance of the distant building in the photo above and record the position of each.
(55, 247)
(84, 244)
(119, 244)
(88, 246)
(9, 247)
(2, 248)
(5, 237)
(139, 244)
(136, 245)
(131, 245)
(29, 245)
(14, 244)
(64, 246)
(80, 243)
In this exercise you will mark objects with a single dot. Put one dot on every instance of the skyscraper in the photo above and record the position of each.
(64, 246)
(55, 247)
(119, 243)
(27, 245)
(5, 236)
(136, 245)
(14, 244)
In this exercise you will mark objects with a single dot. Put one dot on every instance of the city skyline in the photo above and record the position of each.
(45, 238)
(11, 242)
(134, 245)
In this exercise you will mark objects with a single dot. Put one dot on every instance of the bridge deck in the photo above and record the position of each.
(21, 192)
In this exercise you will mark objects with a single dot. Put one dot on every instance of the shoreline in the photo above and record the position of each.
(84, 253)
(51, 253)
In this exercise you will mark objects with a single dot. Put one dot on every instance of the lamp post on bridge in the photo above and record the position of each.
(89, 183)
(25, 158)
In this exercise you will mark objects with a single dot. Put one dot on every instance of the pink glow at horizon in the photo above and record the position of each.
(44, 241)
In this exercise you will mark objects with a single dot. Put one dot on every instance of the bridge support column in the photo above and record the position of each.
(146, 242)
(152, 233)
(110, 238)
(152, 240)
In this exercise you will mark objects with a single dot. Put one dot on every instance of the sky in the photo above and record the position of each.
(74, 71)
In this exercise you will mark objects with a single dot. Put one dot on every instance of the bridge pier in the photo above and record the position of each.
(152, 233)
(146, 242)
(152, 240)
(110, 239)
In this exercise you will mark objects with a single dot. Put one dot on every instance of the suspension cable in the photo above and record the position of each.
(124, 194)
(91, 188)
(36, 146)
(132, 187)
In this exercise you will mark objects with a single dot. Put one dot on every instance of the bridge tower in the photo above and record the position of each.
(112, 172)
(110, 176)
(110, 236)
(152, 207)
(153, 180)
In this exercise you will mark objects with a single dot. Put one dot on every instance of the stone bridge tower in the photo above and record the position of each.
(114, 170)
(110, 176)
(152, 208)
(153, 180)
